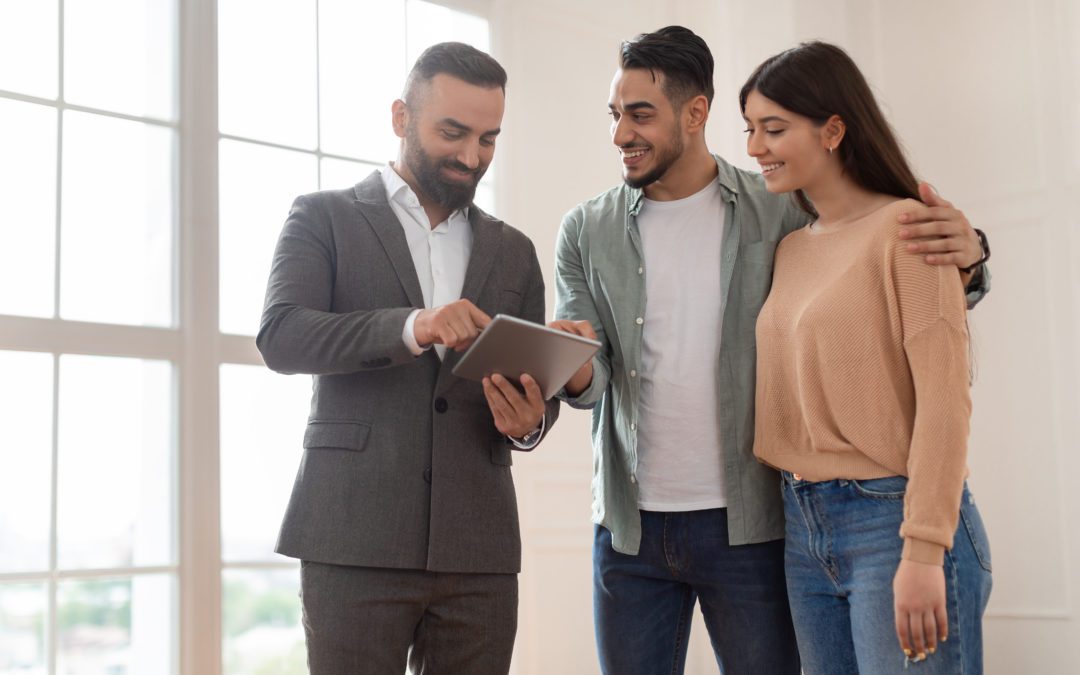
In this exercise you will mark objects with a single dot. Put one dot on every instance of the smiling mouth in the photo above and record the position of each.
(767, 169)
(458, 174)
(632, 156)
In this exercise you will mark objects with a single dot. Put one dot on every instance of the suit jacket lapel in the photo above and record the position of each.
(485, 249)
(375, 209)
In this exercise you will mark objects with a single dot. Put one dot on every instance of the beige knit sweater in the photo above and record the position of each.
(862, 370)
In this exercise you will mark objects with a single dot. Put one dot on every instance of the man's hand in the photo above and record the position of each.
(455, 325)
(583, 377)
(919, 604)
(515, 415)
(943, 231)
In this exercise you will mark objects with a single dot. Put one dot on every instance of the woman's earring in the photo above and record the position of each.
(830, 149)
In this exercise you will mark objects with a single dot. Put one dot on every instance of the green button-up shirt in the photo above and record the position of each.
(600, 278)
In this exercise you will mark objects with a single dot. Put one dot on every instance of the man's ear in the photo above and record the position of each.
(697, 113)
(832, 132)
(400, 114)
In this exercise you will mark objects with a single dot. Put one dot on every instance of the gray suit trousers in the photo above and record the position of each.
(361, 620)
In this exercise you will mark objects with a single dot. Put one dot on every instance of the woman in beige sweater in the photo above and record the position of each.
(862, 388)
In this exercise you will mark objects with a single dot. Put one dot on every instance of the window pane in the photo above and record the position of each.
(115, 495)
(266, 71)
(29, 54)
(121, 55)
(117, 211)
(22, 629)
(429, 24)
(26, 455)
(115, 626)
(263, 417)
(261, 614)
(28, 193)
(340, 173)
(258, 184)
(361, 72)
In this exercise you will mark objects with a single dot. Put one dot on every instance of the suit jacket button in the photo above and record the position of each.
(441, 405)
(427, 474)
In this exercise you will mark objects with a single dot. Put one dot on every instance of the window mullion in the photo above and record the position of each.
(54, 480)
(199, 466)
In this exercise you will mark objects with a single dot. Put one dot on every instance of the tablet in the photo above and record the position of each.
(511, 346)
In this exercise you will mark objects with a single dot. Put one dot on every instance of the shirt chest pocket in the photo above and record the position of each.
(755, 262)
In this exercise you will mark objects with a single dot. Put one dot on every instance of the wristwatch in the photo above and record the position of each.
(985, 252)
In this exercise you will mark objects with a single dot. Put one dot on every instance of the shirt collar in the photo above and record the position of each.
(399, 192)
(725, 176)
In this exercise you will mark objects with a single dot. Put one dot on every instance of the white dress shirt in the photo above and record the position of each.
(440, 256)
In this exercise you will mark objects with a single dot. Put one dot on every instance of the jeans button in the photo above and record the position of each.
(796, 476)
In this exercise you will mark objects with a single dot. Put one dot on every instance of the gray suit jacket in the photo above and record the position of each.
(402, 464)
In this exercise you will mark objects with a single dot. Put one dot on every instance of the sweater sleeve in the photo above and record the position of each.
(931, 313)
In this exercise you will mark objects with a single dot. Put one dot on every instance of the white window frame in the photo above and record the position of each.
(193, 346)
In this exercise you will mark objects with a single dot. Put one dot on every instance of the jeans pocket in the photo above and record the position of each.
(890, 487)
(976, 531)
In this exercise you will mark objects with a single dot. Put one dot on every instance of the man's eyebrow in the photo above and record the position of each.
(636, 105)
(451, 122)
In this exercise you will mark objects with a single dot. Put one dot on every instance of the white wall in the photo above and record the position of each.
(985, 95)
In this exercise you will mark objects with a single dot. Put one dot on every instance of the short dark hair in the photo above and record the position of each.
(682, 57)
(818, 80)
(465, 62)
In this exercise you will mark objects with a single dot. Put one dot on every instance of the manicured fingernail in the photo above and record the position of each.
(921, 656)
(944, 638)
(904, 234)
(912, 247)
(931, 258)
(907, 653)
(932, 650)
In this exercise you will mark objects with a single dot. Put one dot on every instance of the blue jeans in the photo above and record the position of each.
(643, 604)
(842, 552)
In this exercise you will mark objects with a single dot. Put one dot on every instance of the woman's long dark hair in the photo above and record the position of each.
(818, 80)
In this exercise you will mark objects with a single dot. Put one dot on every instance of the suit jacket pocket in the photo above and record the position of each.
(501, 453)
(342, 434)
(510, 303)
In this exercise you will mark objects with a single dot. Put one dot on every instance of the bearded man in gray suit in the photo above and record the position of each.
(403, 513)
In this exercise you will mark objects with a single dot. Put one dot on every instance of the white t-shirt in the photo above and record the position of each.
(680, 465)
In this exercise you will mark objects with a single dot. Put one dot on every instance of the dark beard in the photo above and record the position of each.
(449, 195)
(663, 163)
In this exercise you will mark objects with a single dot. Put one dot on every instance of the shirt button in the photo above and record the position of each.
(641, 270)
(441, 405)
(427, 475)
(633, 373)
(633, 478)
(633, 427)
(639, 321)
